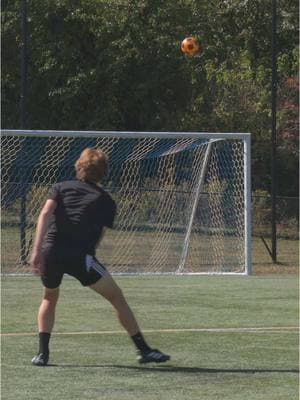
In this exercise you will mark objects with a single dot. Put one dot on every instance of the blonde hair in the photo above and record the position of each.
(91, 166)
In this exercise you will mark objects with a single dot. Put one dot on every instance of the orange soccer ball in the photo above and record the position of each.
(190, 46)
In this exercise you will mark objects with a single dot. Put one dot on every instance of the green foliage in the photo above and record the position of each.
(117, 65)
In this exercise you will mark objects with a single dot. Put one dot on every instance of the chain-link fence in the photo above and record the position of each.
(287, 227)
(287, 211)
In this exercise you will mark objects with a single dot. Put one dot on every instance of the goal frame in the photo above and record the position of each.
(245, 137)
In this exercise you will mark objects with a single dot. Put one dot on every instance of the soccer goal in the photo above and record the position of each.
(183, 198)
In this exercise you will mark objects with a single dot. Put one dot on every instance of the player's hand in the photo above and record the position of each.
(36, 262)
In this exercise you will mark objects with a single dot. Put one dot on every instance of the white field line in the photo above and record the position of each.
(268, 329)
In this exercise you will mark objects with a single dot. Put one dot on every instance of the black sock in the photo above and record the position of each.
(44, 338)
(140, 343)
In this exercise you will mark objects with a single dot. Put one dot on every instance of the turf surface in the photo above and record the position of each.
(229, 338)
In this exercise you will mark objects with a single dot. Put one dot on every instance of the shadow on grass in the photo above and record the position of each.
(185, 370)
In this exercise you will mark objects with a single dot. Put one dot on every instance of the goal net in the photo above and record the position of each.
(183, 199)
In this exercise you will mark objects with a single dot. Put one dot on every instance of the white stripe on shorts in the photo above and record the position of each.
(91, 262)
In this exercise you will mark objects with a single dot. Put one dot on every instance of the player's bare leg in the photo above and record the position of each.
(46, 318)
(46, 314)
(107, 287)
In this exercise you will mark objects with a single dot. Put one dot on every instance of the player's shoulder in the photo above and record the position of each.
(63, 186)
(84, 187)
(107, 197)
(105, 194)
(70, 183)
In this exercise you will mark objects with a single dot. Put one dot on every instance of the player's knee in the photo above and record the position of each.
(51, 295)
(116, 295)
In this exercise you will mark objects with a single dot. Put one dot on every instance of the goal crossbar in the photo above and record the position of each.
(125, 134)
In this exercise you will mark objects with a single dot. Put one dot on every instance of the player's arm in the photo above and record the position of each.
(41, 229)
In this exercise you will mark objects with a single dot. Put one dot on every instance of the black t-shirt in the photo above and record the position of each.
(82, 210)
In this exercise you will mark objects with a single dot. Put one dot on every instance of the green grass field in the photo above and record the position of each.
(229, 338)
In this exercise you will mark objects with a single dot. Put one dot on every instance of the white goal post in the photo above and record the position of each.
(183, 198)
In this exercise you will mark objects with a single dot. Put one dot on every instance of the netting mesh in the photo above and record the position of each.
(180, 201)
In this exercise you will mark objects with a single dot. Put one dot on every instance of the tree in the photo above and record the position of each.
(116, 65)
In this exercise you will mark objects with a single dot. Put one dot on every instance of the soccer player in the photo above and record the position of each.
(69, 227)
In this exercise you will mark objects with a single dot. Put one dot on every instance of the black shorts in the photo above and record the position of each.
(60, 260)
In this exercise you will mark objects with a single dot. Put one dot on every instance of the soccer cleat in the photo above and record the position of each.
(40, 360)
(152, 356)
